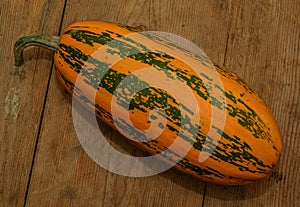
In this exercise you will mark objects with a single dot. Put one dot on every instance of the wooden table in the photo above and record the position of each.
(41, 160)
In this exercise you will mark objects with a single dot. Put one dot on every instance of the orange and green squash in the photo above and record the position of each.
(250, 144)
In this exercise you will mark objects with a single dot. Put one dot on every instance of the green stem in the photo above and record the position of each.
(50, 42)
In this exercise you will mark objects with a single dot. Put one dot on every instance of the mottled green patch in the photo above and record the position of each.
(89, 37)
(230, 96)
(73, 56)
(239, 154)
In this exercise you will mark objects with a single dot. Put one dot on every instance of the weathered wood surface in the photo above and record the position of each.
(22, 97)
(41, 160)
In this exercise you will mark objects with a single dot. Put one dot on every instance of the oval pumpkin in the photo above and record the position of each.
(250, 143)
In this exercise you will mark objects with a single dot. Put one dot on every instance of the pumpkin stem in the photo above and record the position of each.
(50, 42)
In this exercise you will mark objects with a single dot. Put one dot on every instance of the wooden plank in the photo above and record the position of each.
(204, 23)
(22, 97)
(264, 49)
(63, 174)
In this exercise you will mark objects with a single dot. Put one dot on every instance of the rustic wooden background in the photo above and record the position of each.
(41, 160)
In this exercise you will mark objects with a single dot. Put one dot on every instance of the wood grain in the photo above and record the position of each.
(263, 48)
(259, 40)
(21, 104)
